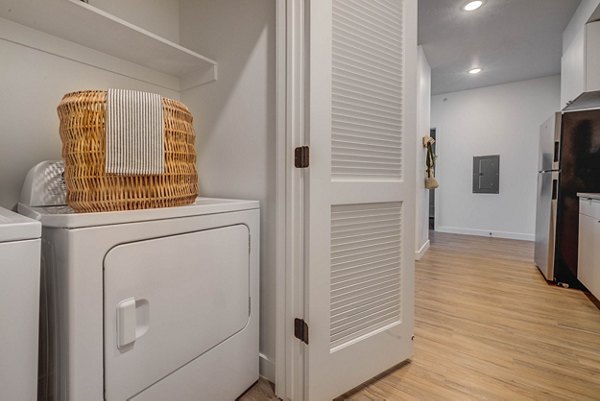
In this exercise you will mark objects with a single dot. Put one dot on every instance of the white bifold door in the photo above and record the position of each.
(359, 295)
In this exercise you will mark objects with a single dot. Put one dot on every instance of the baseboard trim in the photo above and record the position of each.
(267, 368)
(486, 233)
(423, 250)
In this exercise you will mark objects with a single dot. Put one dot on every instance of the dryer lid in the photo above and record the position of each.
(64, 217)
(14, 227)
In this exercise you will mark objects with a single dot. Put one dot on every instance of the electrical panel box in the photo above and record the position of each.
(486, 174)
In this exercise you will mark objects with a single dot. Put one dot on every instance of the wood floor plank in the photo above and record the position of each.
(489, 327)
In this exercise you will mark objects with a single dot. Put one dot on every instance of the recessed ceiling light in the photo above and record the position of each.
(476, 70)
(473, 5)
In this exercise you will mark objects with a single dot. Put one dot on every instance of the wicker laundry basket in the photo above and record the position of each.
(91, 189)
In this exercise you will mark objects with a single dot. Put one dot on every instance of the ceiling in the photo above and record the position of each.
(512, 40)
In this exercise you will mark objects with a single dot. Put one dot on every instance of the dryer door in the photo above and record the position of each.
(169, 300)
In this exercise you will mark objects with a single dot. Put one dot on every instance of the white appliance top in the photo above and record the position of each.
(14, 227)
(589, 196)
(64, 217)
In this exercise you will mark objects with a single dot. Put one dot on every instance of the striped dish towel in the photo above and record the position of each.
(134, 133)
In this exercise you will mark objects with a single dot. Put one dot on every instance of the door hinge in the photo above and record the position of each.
(301, 157)
(301, 330)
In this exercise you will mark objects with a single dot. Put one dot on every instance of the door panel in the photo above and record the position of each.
(365, 270)
(366, 90)
(19, 306)
(585, 273)
(169, 300)
(359, 284)
(543, 222)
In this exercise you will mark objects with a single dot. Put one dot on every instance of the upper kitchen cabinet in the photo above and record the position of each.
(87, 34)
(581, 64)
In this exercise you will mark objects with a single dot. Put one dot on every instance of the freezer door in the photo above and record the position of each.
(550, 144)
(545, 223)
(170, 300)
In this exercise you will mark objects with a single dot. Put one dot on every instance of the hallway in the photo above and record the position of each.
(488, 327)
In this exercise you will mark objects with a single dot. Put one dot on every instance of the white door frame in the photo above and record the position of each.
(436, 206)
(290, 205)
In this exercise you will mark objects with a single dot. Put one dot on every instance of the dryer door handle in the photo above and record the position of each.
(132, 321)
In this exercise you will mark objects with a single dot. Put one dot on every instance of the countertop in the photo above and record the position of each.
(589, 196)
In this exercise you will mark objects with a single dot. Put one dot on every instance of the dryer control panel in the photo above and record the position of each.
(45, 185)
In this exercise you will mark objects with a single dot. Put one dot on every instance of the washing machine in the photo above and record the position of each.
(145, 305)
(19, 305)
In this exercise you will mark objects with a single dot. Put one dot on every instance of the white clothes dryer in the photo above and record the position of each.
(149, 305)
(19, 305)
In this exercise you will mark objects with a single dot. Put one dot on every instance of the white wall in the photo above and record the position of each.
(235, 121)
(158, 16)
(423, 126)
(32, 83)
(502, 120)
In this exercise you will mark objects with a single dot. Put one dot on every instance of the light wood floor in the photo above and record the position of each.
(488, 327)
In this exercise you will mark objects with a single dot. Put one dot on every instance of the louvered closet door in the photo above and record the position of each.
(359, 293)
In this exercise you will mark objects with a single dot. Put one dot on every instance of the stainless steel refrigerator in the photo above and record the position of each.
(547, 191)
(569, 163)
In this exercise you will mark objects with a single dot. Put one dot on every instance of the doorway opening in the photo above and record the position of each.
(433, 134)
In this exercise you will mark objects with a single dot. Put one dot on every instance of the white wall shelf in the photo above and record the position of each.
(163, 62)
